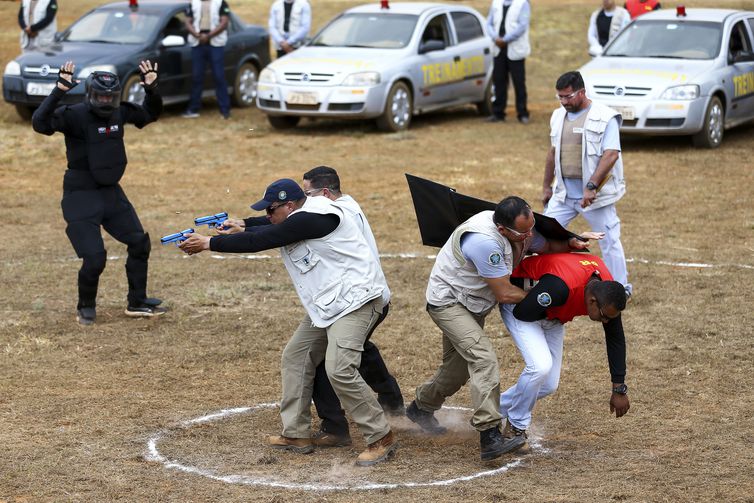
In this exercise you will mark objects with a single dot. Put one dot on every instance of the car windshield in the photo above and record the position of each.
(667, 39)
(113, 27)
(377, 31)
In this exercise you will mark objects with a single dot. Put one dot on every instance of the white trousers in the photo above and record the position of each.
(603, 219)
(541, 346)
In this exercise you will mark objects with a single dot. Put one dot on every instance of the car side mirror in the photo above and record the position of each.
(173, 41)
(58, 36)
(743, 57)
(431, 46)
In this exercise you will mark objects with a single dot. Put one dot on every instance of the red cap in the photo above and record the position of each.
(680, 11)
(133, 4)
(384, 4)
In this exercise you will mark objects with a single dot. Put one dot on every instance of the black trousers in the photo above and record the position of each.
(516, 70)
(85, 212)
(375, 374)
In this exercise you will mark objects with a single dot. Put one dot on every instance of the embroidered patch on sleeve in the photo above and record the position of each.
(544, 299)
(494, 258)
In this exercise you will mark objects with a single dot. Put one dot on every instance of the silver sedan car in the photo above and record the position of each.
(679, 72)
(388, 64)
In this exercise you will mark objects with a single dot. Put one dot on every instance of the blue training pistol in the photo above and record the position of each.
(176, 238)
(212, 221)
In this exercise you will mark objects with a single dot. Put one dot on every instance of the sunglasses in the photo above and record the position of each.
(271, 209)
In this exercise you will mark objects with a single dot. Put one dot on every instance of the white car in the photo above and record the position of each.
(384, 63)
(679, 72)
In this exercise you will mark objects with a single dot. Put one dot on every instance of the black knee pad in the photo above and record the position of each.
(139, 245)
(94, 264)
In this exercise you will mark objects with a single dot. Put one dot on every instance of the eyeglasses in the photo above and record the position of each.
(568, 96)
(271, 209)
(520, 234)
(309, 192)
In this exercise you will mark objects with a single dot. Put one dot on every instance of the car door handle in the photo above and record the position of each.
(456, 58)
(486, 50)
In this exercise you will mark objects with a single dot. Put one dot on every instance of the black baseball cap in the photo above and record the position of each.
(279, 191)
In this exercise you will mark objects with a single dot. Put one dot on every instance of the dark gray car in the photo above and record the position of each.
(115, 38)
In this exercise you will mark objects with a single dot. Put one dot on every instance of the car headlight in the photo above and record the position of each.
(88, 70)
(362, 79)
(267, 77)
(13, 68)
(688, 92)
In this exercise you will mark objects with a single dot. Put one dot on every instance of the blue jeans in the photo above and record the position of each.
(200, 55)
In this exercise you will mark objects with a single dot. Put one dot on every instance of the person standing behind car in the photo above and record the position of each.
(92, 196)
(584, 170)
(38, 24)
(508, 25)
(207, 24)
(605, 24)
(639, 7)
(289, 24)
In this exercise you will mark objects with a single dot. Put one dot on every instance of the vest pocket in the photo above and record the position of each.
(302, 256)
(333, 299)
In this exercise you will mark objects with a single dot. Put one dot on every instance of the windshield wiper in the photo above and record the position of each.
(617, 55)
(662, 56)
(359, 45)
(97, 41)
(320, 44)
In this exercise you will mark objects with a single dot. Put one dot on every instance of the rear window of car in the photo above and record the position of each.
(467, 26)
(668, 39)
(376, 31)
(113, 27)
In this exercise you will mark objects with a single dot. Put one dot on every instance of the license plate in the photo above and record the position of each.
(39, 88)
(301, 98)
(626, 112)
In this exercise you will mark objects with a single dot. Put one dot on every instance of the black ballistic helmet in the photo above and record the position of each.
(103, 93)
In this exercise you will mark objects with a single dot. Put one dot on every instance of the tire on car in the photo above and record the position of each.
(132, 90)
(398, 109)
(283, 121)
(245, 86)
(484, 107)
(711, 135)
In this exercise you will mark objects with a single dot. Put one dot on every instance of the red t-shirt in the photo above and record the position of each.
(574, 269)
(636, 7)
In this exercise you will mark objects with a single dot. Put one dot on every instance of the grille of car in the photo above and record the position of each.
(41, 71)
(308, 77)
(269, 103)
(303, 108)
(675, 122)
(345, 107)
(622, 90)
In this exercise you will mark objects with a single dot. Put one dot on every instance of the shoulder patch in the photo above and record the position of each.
(494, 258)
(544, 299)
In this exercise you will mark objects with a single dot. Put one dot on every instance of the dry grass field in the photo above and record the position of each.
(78, 405)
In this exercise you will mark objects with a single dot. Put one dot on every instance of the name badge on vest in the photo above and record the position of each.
(578, 130)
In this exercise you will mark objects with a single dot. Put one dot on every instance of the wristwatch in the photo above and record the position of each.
(621, 389)
(591, 186)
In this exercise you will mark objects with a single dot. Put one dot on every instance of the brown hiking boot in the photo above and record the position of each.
(511, 431)
(297, 445)
(378, 451)
(325, 439)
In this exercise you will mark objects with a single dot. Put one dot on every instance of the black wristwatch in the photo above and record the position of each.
(591, 186)
(621, 389)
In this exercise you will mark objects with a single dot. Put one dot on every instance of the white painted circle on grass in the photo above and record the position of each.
(155, 455)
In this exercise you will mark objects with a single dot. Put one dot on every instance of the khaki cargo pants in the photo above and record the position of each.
(340, 345)
(467, 353)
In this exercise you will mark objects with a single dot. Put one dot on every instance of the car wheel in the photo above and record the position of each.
(711, 135)
(245, 87)
(283, 121)
(398, 109)
(133, 91)
(484, 107)
(24, 111)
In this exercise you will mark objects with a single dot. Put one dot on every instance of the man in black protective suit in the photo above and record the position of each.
(92, 197)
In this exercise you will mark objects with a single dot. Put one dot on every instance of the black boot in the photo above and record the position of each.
(492, 445)
(426, 420)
